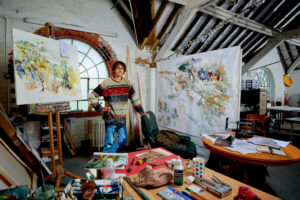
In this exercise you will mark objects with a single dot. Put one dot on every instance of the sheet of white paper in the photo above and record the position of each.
(259, 140)
(242, 146)
(64, 49)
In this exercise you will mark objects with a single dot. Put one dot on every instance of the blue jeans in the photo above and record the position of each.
(110, 136)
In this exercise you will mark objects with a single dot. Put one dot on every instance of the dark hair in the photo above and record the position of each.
(118, 63)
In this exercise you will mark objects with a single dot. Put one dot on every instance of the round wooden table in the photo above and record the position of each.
(292, 155)
(261, 159)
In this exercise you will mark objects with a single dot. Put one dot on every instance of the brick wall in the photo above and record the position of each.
(95, 40)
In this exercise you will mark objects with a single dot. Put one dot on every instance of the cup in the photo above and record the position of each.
(46, 193)
(198, 167)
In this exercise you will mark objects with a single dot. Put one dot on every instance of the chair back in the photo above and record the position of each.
(150, 128)
(261, 125)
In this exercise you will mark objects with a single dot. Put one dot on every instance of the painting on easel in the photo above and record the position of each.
(42, 75)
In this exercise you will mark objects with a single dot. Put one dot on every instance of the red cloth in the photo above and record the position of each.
(137, 168)
(245, 193)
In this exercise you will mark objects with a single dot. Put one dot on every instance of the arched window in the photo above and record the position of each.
(262, 80)
(92, 71)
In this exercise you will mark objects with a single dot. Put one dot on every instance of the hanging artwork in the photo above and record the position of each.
(41, 74)
(198, 92)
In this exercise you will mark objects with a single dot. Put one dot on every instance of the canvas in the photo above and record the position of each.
(198, 92)
(41, 74)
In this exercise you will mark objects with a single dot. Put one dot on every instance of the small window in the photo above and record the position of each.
(92, 72)
(262, 80)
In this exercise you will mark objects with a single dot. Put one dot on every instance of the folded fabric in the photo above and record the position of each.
(245, 193)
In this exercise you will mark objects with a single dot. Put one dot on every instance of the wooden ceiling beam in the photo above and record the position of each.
(166, 25)
(284, 65)
(244, 22)
(199, 3)
(199, 45)
(183, 21)
(288, 49)
(272, 43)
(188, 29)
(251, 43)
(190, 4)
(156, 19)
(294, 66)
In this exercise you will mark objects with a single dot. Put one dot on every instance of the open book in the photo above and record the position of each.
(267, 149)
(220, 139)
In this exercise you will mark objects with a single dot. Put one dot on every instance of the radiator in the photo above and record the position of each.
(98, 133)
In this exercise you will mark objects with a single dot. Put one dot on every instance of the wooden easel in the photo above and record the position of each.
(58, 172)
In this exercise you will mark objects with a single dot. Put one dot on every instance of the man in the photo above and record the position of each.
(116, 92)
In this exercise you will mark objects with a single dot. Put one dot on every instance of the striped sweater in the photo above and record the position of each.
(116, 94)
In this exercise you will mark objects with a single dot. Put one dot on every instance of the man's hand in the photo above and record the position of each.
(105, 109)
(147, 115)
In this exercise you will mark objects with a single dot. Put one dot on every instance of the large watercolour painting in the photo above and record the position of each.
(198, 92)
(41, 74)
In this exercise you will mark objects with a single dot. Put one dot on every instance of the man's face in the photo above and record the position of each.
(119, 71)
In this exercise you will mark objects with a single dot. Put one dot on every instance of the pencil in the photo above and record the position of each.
(190, 195)
(195, 194)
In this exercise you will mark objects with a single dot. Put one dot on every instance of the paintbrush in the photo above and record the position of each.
(140, 192)
(130, 166)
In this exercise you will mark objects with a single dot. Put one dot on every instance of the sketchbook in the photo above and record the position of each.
(267, 149)
(99, 160)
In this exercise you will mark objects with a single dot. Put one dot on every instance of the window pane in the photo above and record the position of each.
(87, 63)
(95, 56)
(93, 73)
(81, 68)
(92, 65)
(73, 105)
(84, 75)
(83, 105)
(80, 57)
(84, 88)
(82, 47)
(68, 41)
(93, 83)
(102, 70)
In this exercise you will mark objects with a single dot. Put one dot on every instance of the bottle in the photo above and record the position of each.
(178, 173)
(109, 170)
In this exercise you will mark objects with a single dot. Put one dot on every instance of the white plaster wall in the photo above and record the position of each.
(276, 74)
(3, 82)
(294, 90)
(86, 15)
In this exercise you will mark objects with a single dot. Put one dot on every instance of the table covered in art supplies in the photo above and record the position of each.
(159, 156)
(151, 193)
(250, 156)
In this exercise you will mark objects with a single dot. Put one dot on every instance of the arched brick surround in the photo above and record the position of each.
(92, 39)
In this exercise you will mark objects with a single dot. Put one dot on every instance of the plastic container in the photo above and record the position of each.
(47, 194)
(178, 173)
(109, 170)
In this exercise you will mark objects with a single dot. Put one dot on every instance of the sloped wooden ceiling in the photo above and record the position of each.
(257, 26)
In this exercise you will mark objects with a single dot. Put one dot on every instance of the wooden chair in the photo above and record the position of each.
(262, 123)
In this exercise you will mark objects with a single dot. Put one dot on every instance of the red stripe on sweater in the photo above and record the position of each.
(115, 91)
(95, 104)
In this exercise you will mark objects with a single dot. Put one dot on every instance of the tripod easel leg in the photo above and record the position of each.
(58, 172)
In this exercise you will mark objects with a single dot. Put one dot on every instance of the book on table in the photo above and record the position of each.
(267, 149)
